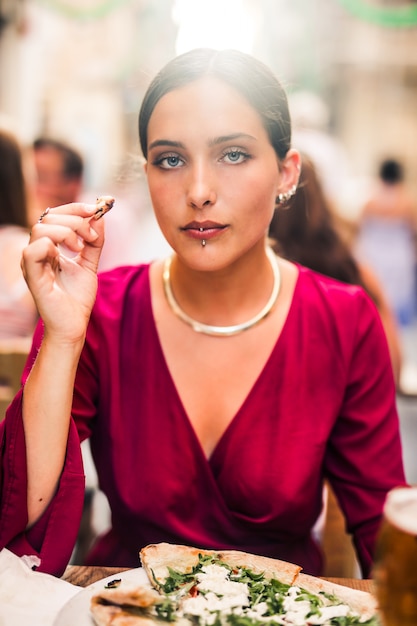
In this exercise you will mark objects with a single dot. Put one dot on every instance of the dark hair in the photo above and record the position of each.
(306, 233)
(249, 76)
(13, 207)
(391, 171)
(73, 164)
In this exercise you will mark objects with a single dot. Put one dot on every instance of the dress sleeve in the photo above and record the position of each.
(53, 536)
(364, 458)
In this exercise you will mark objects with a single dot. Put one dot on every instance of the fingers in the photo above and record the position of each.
(90, 252)
(70, 225)
(60, 264)
(72, 232)
(74, 208)
(39, 254)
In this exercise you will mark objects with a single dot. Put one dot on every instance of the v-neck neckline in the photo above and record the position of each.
(251, 391)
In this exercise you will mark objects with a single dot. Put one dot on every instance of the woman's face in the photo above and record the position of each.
(212, 173)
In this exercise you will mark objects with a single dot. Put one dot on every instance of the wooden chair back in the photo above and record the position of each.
(339, 553)
(13, 355)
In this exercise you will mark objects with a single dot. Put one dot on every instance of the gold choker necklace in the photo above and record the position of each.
(222, 331)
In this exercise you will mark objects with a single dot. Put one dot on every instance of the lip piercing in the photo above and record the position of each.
(203, 241)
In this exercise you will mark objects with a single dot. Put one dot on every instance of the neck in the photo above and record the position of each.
(225, 297)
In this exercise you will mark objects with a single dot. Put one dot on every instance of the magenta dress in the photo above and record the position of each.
(323, 407)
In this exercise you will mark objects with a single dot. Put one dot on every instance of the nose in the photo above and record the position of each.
(201, 192)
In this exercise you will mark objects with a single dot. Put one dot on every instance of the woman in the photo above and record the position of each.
(218, 387)
(308, 234)
(386, 239)
(18, 315)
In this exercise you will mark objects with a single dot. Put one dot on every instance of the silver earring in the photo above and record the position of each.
(282, 198)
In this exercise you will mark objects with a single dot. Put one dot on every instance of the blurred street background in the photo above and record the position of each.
(76, 70)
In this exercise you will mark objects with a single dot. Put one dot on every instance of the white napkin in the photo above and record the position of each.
(28, 597)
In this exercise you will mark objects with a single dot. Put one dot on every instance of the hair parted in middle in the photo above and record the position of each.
(249, 76)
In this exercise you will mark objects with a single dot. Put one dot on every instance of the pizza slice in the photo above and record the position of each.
(157, 560)
(127, 606)
(195, 587)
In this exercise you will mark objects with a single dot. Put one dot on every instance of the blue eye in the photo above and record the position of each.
(172, 161)
(169, 161)
(235, 156)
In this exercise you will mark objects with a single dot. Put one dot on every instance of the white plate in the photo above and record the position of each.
(76, 612)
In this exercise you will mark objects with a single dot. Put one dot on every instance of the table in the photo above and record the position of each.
(83, 576)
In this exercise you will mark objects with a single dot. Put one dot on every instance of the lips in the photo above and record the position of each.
(201, 226)
(203, 230)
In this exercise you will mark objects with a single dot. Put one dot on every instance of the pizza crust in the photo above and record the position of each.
(271, 568)
(156, 558)
(360, 601)
(110, 615)
(111, 606)
(142, 596)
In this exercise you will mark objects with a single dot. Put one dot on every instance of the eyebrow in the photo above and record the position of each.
(225, 138)
(166, 142)
(213, 142)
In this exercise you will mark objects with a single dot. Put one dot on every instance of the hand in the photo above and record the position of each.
(64, 286)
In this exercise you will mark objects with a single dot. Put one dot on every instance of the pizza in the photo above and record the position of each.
(103, 206)
(195, 587)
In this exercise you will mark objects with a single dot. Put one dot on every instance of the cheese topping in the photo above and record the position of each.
(215, 595)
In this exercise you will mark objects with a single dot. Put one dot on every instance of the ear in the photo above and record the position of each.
(145, 167)
(290, 172)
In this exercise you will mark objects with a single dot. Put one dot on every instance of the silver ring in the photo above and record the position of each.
(42, 215)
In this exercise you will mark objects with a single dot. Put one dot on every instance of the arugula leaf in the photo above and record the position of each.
(176, 580)
(241, 620)
(314, 599)
(166, 610)
(354, 621)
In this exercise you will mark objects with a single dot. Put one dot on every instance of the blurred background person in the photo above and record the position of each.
(18, 314)
(60, 178)
(59, 170)
(309, 233)
(386, 238)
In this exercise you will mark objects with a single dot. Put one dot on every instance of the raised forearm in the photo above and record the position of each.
(64, 289)
(47, 402)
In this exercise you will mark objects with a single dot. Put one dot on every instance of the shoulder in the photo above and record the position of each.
(316, 285)
(334, 303)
